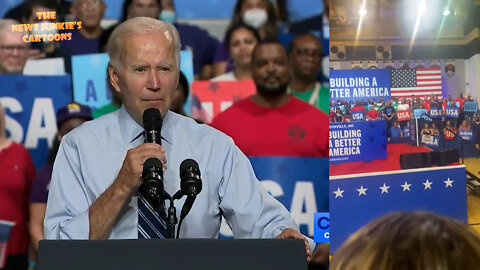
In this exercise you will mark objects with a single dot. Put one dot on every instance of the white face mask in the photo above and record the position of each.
(256, 18)
(44, 28)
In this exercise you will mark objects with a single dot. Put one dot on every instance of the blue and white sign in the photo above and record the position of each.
(358, 199)
(470, 106)
(30, 104)
(417, 113)
(358, 116)
(352, 85)
(451, 112)
(466, 134)
(436, 112)
(89, 74)
(299, 183)
(357, 141)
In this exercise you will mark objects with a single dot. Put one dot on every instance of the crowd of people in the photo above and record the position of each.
(446, 116)
(250, 50)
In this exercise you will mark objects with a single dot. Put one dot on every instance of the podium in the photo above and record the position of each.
(179, 254)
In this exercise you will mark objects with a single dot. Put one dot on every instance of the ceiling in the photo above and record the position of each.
(395, 21)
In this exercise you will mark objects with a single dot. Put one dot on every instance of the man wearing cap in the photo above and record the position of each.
(68, 118)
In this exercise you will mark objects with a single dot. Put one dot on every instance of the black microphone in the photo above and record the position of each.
(152, 185)
(190, 184)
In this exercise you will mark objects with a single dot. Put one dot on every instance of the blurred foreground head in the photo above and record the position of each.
(413, 241)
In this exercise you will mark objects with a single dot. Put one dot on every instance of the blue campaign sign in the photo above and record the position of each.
(417, 113)
(436, 112)
(30, 104)
(451, 112)
(466, 134)
(357, 141)
(321, 232)
(430, 141)
(358, 116)
(89, 73)
(299, 183)
(358, 199)
(354, 85)
(470, 106)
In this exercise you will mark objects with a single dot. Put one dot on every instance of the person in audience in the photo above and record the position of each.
(131, 9)
(395, 131)
(464, 125)
(68, 118)
(372, 114)
(434, 130)
(42, 49)
(13, 51)
(62, 8)
(426, 130)
(305, 58)
(273, 111)
(259, 14)
(180, 95)
(476, 130)
(338, 117)
(16, 176)
(202, 45)
(85, 40)
(414, 241)
(449, 130)
(389, 114)
(241, 39)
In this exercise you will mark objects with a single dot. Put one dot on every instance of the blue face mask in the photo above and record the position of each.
(168, 16)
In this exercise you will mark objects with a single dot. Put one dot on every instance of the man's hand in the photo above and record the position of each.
(105, 210)
(130, 175)
(477, 146)
(289, 233)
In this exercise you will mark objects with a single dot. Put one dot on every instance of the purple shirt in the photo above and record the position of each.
(200, 43)
(80, 44)
(40, 185)
(223, 55)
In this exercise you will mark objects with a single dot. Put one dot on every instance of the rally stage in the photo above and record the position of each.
(362, 190)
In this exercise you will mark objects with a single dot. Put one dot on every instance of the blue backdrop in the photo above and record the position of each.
(352, 85)
(299, 183)
(357, 141)
(30, 104)
(358, 200)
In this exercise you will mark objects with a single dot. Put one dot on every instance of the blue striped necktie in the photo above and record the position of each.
(151, 222)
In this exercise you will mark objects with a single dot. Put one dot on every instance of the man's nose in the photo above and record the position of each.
(153, 82)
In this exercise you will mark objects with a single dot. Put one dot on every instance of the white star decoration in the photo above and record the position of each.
(339, 193)
(406, 186)
(384, 188)
(448, 182)
(427, 184)
(361, 191)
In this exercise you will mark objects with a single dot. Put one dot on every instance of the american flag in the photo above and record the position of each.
(421, 82)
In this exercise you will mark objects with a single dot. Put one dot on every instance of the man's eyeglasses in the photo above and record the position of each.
(307, 52)
(11, 48)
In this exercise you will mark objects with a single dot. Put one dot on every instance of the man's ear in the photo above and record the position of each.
(113, 77)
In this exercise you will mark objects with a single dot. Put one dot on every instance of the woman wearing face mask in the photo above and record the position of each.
(259, 14)
(241, 40)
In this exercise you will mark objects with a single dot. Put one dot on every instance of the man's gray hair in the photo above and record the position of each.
(6, 25)
(140, 25)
